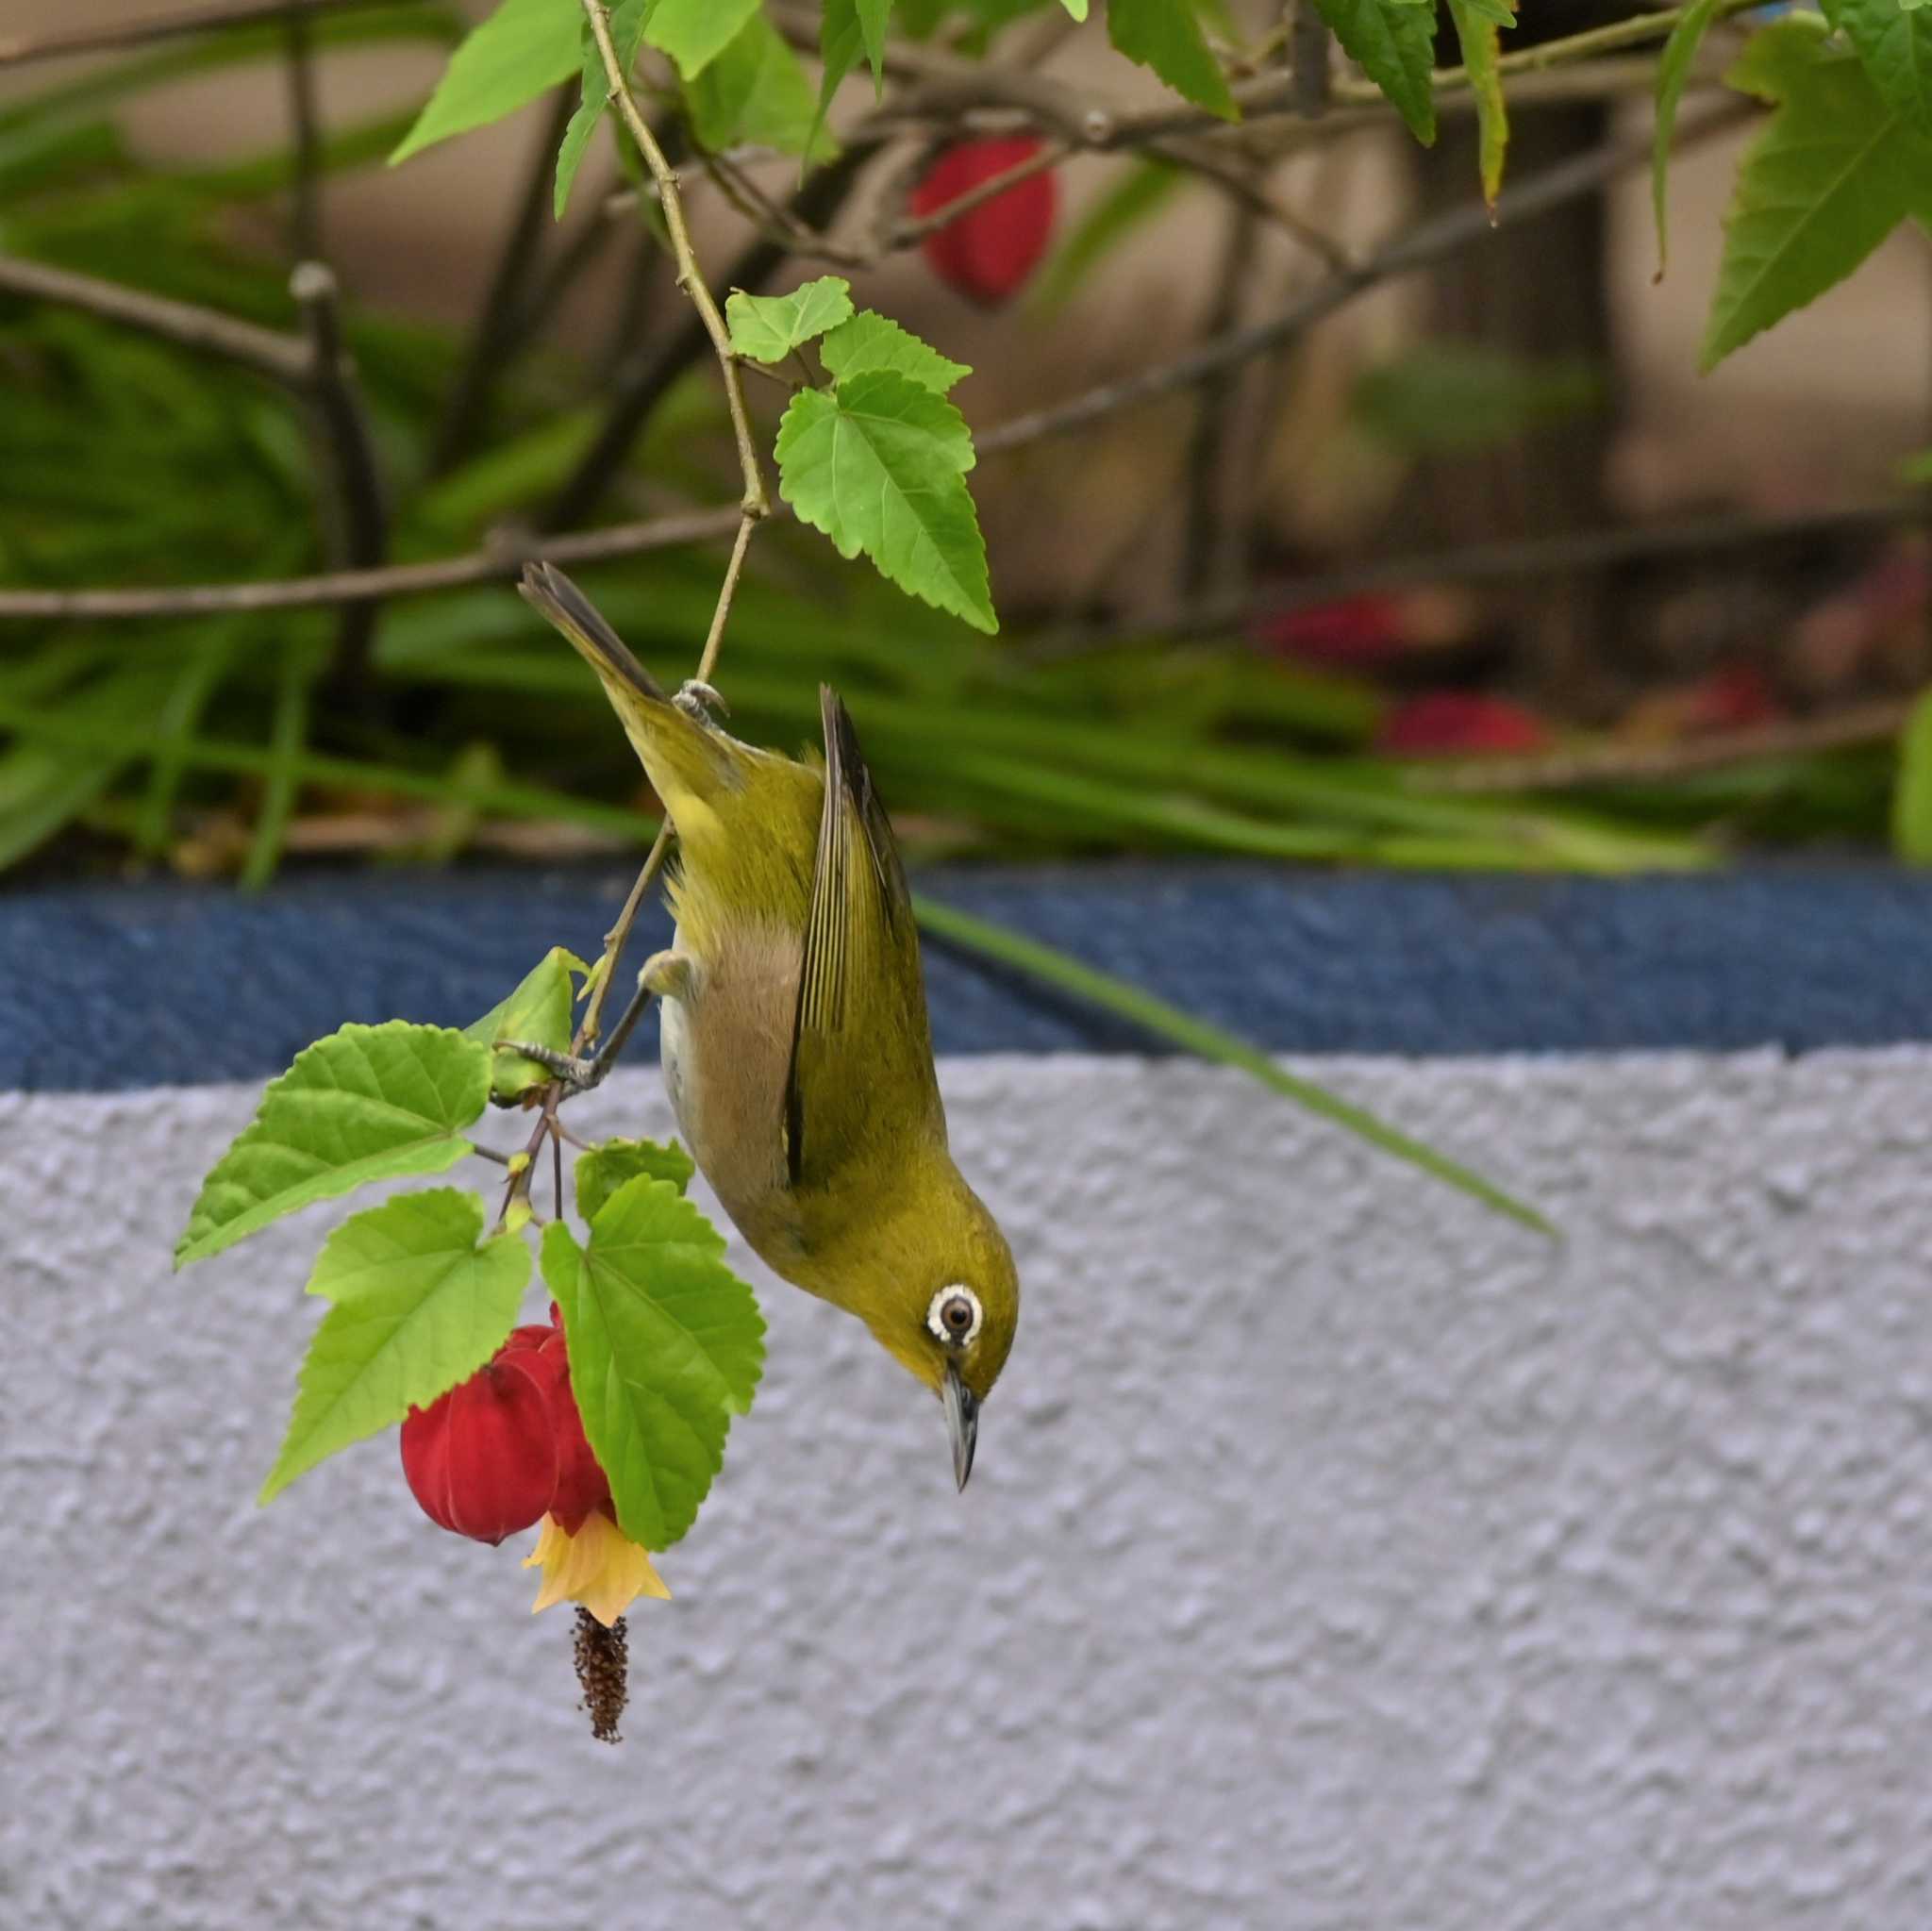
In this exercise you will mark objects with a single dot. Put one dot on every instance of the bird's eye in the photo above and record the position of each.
(953, 1316)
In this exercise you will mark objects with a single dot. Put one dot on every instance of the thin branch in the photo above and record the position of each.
(1424, 244)
(1310, 53)
(638, 391)
(1628, 764)
(304, 224)
(690, 278)
(1208, 557)
(908, 230)
(496, 334)
(504, 560)
(1427, 242)
(362, 522)
(754, 506)
(281, 358)
(18, 50)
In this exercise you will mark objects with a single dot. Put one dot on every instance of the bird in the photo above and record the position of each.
(795, 1043)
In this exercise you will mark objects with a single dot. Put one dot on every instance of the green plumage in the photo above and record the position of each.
(798, 1048)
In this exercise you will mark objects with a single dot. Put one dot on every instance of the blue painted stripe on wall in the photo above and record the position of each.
(129, 987)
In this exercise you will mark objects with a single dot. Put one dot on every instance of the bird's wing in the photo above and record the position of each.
(861, 1001)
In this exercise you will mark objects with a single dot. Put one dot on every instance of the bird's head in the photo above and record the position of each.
(945, 1301)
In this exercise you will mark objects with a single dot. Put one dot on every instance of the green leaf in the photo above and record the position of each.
(604, 1168)
(1076, 8)
(524, 49)
(872, 341)
(879, 465)
(1165, 35)
(1393, 43)
(768, 327)
(627, 22)
(841, 41)
(1211, 1042)
(419, 1302)
(696, 32)
(1672, 72)
(1833, 173)
(367, 1103)
(1476, 26)
(755, 93)
(539, 1013)
(1143, 189)
(1911, 801)
(1894, 40)
(872, 16)
(666, 1343)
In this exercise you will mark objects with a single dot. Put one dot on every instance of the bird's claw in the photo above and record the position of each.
(700, 701)
(578, 1074)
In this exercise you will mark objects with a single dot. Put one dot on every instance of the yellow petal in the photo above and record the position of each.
(599, 1567)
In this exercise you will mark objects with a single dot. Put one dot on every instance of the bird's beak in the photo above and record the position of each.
(962, 1420)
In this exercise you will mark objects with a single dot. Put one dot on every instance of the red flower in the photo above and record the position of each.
(1457, 722)
(482, 1460)
(507, 1446)
(987, 252)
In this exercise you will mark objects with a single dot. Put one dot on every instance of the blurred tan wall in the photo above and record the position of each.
(1819, 407)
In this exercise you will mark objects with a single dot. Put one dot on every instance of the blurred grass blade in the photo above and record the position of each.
(1144, 191)
(287, 738)
(1911, 798)
(1208, 1041)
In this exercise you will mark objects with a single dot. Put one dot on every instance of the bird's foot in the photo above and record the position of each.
(700, 701)
(579, 1075)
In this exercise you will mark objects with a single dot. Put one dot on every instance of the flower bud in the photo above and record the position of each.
(987, 252)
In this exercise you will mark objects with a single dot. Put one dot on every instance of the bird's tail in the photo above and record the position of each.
(684, 760)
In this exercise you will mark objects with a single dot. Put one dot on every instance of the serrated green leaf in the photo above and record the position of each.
(872, 341)
(768, 327)
(872, 17)
(1393, 43)
(1894, 40)
(538, 1011)
(524, 49)
(367, 1103)
(666, 1343)
(604, 1168)
(627, 21)
(696, 32)
(1476, 26)
(841, 41)
(1165, 35)
(1911, 799)
(880, 465)
(419, 1302)
(1672, 72)
(756, 94)
(1833, 173)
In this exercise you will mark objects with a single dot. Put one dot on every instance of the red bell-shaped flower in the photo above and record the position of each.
(581, 1485)
(482, 1460)
(987, 252)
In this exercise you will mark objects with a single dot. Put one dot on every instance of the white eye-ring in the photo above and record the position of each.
(955, 1316)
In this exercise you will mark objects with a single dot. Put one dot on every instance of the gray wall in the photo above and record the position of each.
(1339, 1555)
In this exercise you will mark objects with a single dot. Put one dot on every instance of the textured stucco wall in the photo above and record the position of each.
(1337, 1556)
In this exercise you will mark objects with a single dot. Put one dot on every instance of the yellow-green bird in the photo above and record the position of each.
(796, 1047)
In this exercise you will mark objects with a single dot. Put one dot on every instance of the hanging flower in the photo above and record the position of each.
(597, 1565)
(987, 252)
(507, 1449)
(481, 1459)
